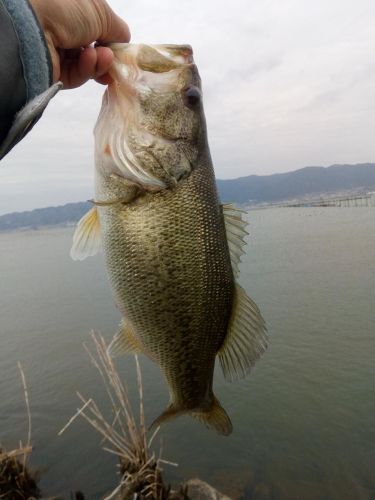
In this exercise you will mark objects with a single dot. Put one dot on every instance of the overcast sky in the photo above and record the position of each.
(287, 84)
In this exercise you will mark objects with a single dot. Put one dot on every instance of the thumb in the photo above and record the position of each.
(114, 29)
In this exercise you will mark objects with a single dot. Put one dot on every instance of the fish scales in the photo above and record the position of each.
(171, 249)
(172, 276)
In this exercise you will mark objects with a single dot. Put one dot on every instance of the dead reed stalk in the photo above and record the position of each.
(124, 435)
(16, 481)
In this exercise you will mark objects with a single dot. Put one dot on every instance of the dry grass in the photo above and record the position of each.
(124, 435)
(16, 481)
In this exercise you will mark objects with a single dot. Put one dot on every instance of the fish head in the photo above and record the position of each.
(151, 127)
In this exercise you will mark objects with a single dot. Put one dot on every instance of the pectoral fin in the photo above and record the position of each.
(87, 238)
(125, 341)
(246, 339)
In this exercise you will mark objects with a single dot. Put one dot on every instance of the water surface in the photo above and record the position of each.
(304, 424)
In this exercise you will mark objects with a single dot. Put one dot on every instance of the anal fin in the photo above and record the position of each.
(246, 339)
(125, 341)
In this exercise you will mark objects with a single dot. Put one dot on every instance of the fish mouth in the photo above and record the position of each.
(143, 69)
(157, 58)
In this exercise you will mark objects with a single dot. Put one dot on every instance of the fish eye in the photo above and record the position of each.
(192, 96)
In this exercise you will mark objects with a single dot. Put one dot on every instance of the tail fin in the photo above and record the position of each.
(171, 412)
(213, 418)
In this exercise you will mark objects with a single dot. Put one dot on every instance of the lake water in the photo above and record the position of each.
(304, 421)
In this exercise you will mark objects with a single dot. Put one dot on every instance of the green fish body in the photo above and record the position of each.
(171, 249)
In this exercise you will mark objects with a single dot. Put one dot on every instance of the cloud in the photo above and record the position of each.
(286, 84)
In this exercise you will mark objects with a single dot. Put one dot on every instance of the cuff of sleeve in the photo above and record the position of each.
(35, 56)
(37, 71)
(27, 118)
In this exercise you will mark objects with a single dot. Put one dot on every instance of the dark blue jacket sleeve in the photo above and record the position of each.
(25, 72)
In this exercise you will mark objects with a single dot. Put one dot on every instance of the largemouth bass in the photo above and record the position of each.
(171, 249)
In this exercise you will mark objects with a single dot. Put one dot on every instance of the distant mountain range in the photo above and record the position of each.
(50, 216)
(255, 189)
(250, 190)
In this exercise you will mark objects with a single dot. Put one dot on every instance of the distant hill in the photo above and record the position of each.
(50, 216)
(252, 189)
(306, 181)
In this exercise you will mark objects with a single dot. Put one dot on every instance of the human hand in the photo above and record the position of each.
(70, 26)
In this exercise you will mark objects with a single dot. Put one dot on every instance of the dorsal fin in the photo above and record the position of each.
(246, 339)
(87, 238)
(236, 233)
